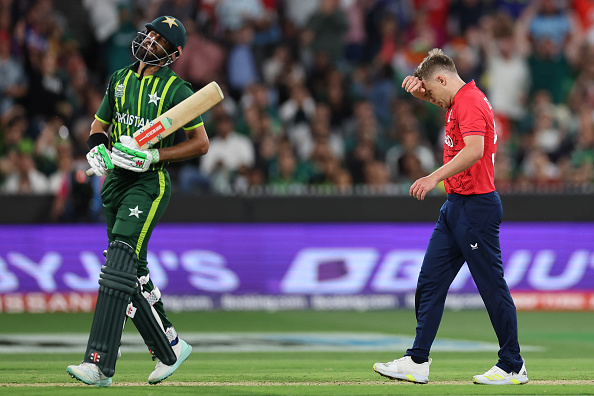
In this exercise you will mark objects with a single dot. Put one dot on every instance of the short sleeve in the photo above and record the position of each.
(471, 118)
(105, 110)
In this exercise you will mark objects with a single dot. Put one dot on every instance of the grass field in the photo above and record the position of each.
(560, 356)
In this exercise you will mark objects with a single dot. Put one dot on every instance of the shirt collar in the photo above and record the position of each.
(161, 73)
(469, 85)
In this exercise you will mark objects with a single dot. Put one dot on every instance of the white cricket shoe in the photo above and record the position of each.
(182, 350)
(496, 376)
(404, 369)
(88, 373)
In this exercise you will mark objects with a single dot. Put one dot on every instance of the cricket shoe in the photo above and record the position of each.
(496, 376)
(88, 373)
(404, 369)
(182, 350)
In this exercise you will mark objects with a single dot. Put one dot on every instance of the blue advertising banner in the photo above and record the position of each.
(286, 266)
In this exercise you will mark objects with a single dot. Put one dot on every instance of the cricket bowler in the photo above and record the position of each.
(467, 229)
(135, 194)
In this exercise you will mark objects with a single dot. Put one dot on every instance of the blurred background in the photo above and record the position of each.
(312, 152)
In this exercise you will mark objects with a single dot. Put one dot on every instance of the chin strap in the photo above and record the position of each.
(142, 71)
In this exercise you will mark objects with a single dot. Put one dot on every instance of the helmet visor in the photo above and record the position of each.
(146, 49)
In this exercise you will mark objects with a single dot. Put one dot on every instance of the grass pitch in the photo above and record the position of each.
(564, 364)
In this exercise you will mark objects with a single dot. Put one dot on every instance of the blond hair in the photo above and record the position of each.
(434, 61)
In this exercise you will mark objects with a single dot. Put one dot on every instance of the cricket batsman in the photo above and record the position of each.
(135, 194)
(467, 229)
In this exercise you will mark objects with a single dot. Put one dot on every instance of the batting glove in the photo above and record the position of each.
(100, 160)
(127, 155)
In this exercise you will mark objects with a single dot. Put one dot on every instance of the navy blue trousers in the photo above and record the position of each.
(467, 231)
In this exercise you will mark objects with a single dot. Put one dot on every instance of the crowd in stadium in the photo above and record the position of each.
(314, 102)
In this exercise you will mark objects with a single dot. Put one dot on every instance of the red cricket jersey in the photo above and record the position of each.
(470, 114)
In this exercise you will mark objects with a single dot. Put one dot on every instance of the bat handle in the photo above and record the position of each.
(90, 172)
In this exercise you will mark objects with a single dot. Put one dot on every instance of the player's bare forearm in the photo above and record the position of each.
(467, 157)
(196, 146)
(99, 127)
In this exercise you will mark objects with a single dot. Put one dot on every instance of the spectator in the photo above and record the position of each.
(236, 14)
(343, 181)
(191, 66)
(286, 174)
(325, 30)
(47, 93)
(25, 178)
(117, 50)
(410, 145)
(465, 14)
(377, 175)
(282, 71)
(13, 85)
(242, 68)
(508, 74)
(295, 114)
(549, 71)
(228, 153)
(299, 12)
(356, 36)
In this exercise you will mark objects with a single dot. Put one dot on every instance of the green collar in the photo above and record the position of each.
(162, 73)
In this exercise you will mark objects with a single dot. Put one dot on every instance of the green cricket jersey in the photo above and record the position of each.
(130, 103)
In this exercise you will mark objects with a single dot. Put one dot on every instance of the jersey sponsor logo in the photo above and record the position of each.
(474, 247)
(131, 119)
(119, 91)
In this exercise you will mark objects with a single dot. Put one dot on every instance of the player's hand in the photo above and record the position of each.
(422, 186)
(414, 86)
(100, 160)
(127, 155)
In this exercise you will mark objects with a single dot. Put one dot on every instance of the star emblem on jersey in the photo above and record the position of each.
(154, 99)
(135, 212)
(170, 21)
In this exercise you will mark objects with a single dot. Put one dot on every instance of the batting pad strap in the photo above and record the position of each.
(153, 296)
(171, 334)
(151, 331)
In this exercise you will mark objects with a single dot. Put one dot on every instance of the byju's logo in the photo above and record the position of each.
(349, 270)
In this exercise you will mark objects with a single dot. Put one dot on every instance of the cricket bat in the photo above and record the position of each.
(176, 117)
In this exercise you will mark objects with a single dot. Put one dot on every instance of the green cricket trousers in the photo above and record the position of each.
(133, 204)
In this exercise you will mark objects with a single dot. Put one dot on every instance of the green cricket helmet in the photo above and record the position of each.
(149, 51)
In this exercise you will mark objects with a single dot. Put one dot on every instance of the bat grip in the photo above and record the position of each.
(90, 172)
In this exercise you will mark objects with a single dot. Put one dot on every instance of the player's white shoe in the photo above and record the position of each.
(182, 350)
(88, 373)
(496, 376)
(404, 369)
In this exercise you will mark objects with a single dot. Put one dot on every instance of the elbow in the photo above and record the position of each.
(477, 155)
(203, 148)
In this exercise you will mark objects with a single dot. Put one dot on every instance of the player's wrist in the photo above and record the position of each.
(97, 139)
(155, 157)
